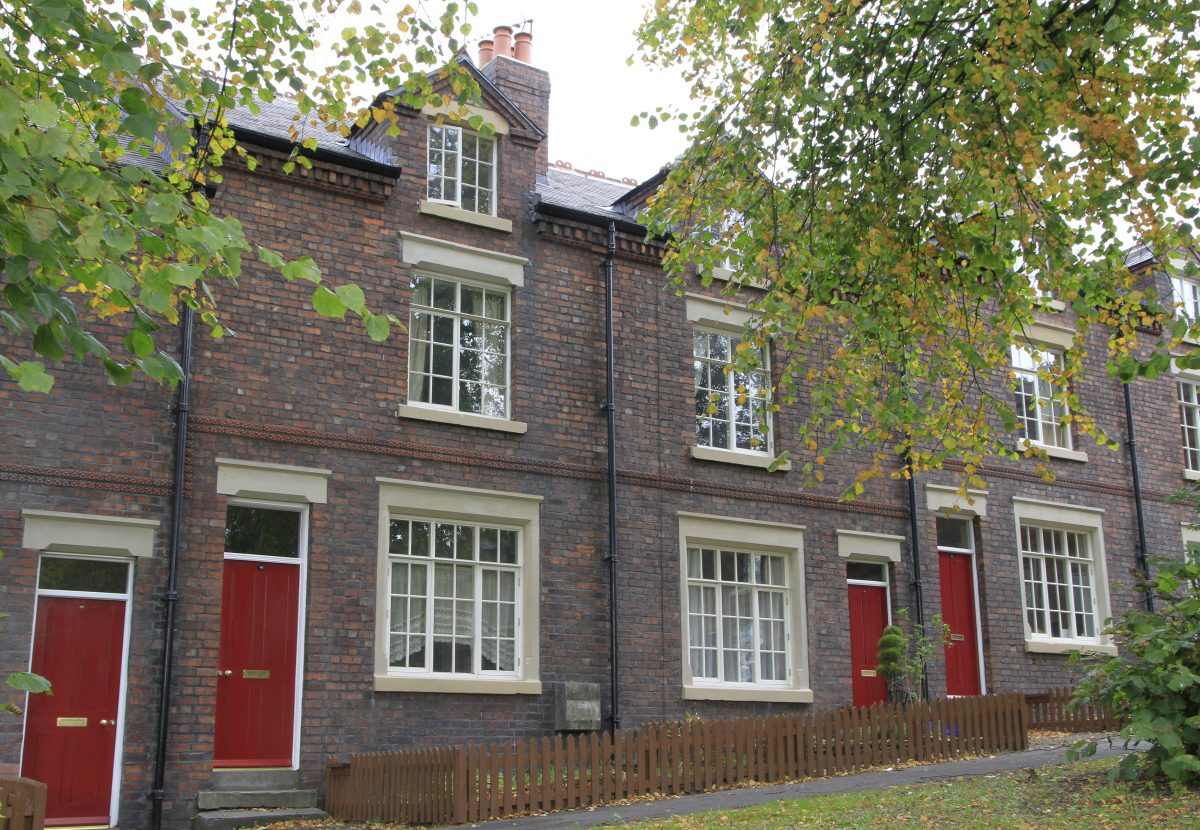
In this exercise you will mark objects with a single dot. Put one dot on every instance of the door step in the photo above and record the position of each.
(255, 799)
(245, 780)
(233, 819)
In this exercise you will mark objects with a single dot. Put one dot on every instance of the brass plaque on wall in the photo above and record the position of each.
(71, 722)
(256, 674)
(868, 672)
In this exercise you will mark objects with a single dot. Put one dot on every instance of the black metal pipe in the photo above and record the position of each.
(171, 597)
(610, 408)
(1138, 506)
(915, 543)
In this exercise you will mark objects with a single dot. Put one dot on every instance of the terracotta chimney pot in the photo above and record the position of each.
(486, 52)
(523, 47)
(503, 41)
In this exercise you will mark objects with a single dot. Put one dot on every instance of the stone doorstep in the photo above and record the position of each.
(233, 819)
(234, 799)
(246, 780)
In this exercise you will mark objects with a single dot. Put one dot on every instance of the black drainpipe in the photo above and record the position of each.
(914, 530)
(610, 408)
(171, 597)
(1138, 507)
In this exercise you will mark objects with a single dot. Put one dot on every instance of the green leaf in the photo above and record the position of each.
(270, 259)
(378, 328)
(352, 296)
(302, 269)
(25, 681)
(139, 343)
(46, 342)
(328, 304)
(120, 374)
(29, 375)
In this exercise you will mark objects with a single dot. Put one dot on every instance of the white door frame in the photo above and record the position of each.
(975, 595)
(127, 598)
(300, 561)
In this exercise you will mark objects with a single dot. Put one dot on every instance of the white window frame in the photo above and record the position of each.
(458, 316)
(1185, 296)
(1188, 394)
(442, 259)
(1087, 521)
(729, 415)
(455, 175)
(730, 319)
(477, 600)
(771, 538)
(469, 506)
(1045, 406)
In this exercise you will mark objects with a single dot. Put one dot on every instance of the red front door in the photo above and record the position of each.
(958, 612)
(256, 686)
(71, 734)
(868, 617)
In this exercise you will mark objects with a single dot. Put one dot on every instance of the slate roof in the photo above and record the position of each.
(582, 193)
(278, 118)
(1137, 255)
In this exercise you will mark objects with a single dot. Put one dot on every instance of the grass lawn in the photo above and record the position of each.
(1071, 797)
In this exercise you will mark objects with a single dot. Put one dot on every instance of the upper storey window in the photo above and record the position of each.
(1042, 418)
(731, 406)
(462, 169)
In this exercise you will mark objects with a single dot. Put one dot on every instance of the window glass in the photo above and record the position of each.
(731, 406)
(737, 621)
(955, 533)
(1189, 415)
(1039, 414)
(461, 169)
(866, 571)
(458, 352)
(262, 531)
(454, 612)
(1059, 591)
(94, 575)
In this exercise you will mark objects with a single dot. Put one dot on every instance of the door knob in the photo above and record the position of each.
(226, 673)
(104, 722)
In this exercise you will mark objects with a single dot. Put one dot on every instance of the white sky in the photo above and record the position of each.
(594, 92)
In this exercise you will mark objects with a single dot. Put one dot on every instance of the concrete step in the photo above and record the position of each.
(244, 780)
(235, 799)
(233, 819)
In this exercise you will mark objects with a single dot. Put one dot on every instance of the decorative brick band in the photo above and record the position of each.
(75, 478)
(401, 449)
(998, 471)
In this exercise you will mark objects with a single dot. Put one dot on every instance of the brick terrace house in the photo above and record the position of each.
(399, 543)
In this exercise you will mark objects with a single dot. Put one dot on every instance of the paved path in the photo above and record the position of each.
(732, 799)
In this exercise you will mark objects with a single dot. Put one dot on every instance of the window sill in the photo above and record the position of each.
(461, 686)
(1067, 646)
(760, 695)
(1052, 452)
(469, 216)
(462, 419)
(1191, 475)
(760, 460)
(1049, 304)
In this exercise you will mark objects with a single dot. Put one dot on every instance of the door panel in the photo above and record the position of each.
(256, 686)
(70, 735)
(868, 617)
(958, 612)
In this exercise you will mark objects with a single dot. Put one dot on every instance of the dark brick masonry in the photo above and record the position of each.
(294, 389)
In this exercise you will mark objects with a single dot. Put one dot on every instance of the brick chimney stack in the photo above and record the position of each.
(505, 61)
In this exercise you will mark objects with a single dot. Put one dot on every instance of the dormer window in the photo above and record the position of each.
(462, 169)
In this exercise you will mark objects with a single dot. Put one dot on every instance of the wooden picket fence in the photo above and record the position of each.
(1049, 711)
(23, 803)
(457, 785)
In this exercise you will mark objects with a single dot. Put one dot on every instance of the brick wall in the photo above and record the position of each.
(295, 389)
